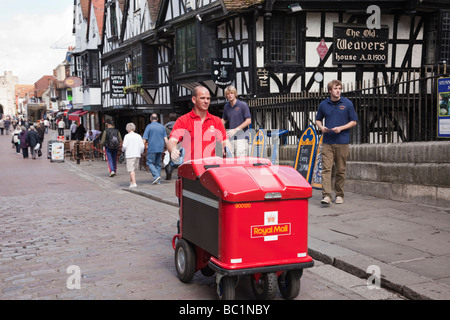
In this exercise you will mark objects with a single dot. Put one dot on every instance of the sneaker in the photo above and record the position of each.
(325, 200)
(339, 200)
(133, 185)
(112, 174)
(157, 181)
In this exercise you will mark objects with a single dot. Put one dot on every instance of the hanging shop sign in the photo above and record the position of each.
(73, 82)
(117, 86)
(443, 99)
(223, 72)
(357, 44)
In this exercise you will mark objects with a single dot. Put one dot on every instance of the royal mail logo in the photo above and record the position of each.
(282, 229)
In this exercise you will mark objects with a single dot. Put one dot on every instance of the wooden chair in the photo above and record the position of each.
(73, 149)
(67, 150)
(88, 150)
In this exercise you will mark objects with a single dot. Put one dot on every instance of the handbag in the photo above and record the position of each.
(37, 147)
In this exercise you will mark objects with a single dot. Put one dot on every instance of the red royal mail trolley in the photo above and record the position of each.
(243, 216)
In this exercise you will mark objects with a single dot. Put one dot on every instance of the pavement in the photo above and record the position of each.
(401, 246)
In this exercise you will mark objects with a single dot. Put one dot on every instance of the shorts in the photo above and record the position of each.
(132, 164)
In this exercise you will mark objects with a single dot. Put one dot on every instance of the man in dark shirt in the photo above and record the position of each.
(340, 116)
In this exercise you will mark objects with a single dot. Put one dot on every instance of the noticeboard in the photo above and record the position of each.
(443, 99)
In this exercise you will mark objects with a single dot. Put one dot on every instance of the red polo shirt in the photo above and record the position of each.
(200, 138)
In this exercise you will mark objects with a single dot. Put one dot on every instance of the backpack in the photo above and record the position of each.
(112, 139)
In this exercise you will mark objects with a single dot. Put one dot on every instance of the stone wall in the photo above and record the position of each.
(416, 171)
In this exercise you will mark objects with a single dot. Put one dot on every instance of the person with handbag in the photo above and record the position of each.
(40, 129)
(33, 141)
(15, 138)
(23, 141)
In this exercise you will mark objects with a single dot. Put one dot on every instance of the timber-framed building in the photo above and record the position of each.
(150, 54)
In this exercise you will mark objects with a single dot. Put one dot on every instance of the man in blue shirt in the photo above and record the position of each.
(340, 116)
(155, 134)
(237, 114)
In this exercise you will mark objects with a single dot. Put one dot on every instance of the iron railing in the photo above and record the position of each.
(403, 110)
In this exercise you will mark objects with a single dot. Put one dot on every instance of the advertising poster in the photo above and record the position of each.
(443, 125)
(57, 153)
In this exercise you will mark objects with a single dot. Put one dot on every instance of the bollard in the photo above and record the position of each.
(78, 151)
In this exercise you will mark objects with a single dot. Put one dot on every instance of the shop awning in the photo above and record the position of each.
(76, 114)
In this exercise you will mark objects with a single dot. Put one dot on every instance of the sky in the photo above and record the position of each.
(34, 37)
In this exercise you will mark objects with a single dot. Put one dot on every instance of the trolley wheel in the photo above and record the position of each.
(185, 261)
(207, 271)
(264, 286)
(289, 283)
(226, 288)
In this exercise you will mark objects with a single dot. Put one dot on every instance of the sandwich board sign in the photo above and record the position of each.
(306, 152)
(259, 144)
(316, 181)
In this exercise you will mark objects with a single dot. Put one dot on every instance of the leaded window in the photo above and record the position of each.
(136, 65)
(186, 49)
(284, 39)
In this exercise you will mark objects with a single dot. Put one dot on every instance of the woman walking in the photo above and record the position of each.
(33, 140)
(23, 142)
(15, 138)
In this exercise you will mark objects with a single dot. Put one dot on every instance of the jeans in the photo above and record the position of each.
(111, 157)
(154, 163)
(334, 154)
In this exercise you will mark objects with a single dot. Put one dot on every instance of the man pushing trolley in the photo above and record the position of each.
(239, 217)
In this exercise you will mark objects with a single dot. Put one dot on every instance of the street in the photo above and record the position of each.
(67, 236)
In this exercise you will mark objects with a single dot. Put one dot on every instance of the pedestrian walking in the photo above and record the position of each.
(2, 125)
(111, 139)
(73, 129)
(7, 125)
(23, 142)
(40, 128)
(155, 135)
(169, 126)
(61, 127)
(46, 124)
(339, 115)
(237, 114)
(199, 130)
(15, 138)
(133, 146)
(33, 140)
(80, 132)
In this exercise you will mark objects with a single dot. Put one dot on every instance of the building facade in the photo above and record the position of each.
(148, 55)
(8, 94)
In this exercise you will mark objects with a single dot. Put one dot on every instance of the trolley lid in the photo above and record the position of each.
(195, 168)
(255, 183)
